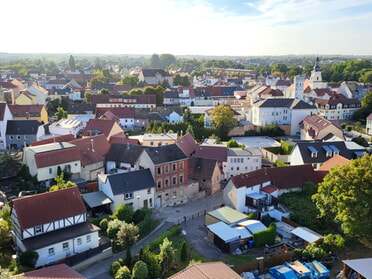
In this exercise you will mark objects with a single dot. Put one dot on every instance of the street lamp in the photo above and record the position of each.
(138, 198)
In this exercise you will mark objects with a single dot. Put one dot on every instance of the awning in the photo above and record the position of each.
(223, 231)
(95, 199)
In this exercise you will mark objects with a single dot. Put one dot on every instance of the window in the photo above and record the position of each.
(174, 180)
(167, 197)
(174, 194)
(149, 191)
(159, 184)
(166, 168)
(18, 137)
(50, 170)
(159, 170)
(38, 229)
(181, 165)
(89, 238)
(79, 241)
(174, 167)
(51, 251)
(128, 196)
(181, 192)
(65, 246)
(181, 178)
(166, 182)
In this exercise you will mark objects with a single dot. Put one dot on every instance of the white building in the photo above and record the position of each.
(66, 126)
(241, 160)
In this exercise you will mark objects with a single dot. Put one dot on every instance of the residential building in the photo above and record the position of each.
(36, 112)
(159, 139)
(53, 224)
(207, 270)
(169, 168)
(241, 160)
(315, 127)
(369, 124)
(122, 157)
(316, 153)
(75, 110)
(207, 173)
(135, 189)
(218, 153)
(123, 115)
(66, 126)
(5, 115)
(136, 101)
(188, 144)
(40, 93)
(52, 272)
(45, 160)
(21, 133)
(283, 112)
(102, 126)
(92, 156)
(337, 107)
(154, 76)
(353, 90)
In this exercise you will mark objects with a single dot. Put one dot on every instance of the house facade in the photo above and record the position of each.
(241, 160)
(169, 168)
(315, 127)
(36, 112)
(53, 224)
(5, 115)
(337, 107)
(20, 133)
(207, 172)
(135, 189)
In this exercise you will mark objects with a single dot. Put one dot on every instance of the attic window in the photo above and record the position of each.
(128, 196)
(335, 150)
(314, 151)
(328, 150)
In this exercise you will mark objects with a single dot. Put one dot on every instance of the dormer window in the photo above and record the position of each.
(335, 150)
(328, 150)
(314, 151)
(38, 229)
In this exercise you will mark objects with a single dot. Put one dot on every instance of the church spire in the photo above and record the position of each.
(316, 66)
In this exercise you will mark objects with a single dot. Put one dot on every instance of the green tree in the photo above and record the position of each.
(233, 143)
(140, 270)
(187, 116)
(183, 251)
(114, 267)
(10, 164)
(104, 91)
(223, 120)
(60, 183)
(190, 130)
(29, 258)
(151, 261)
(113, 228)
(61, 113)
(333, 243)
(127, 235)
(4, 234)
(166, 60)
(366, 101)
(87, 97)
(366, 77)
(130, 79)
(128, 261)
(124, 213)
(123, 273)
(159, 92)
(71, 63)
(166, 255)
(155, 61)
(345, 194)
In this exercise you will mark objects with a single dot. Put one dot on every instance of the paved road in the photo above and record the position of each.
(196, 233)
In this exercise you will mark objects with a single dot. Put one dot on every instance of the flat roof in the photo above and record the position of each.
(306, 234)
(256, 142)
(51, 147)
(362, 266)
(95, 199)
(227, 215)
(224, 231)
(253, 225)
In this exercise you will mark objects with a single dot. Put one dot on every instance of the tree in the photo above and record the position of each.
(71, 63)
(190, 130)
(87, 97)
(233, 143)
(166, 60)
(127, 235)
(151, 261)
(124, 213)
(123, 273)
(183, 251)
(166, 255)
(345, 194)
(60, 183)
(29, 258)
(155, 61)
(113, 228)
(333, 242)
(140, 270)
(366, 77)
(128, 261)
(223, 120)
(61, 113)
(159, 92)
(366, 101)
(104, 91)
(130, 79)
(4, 233)
(187, 116)
(10, 164)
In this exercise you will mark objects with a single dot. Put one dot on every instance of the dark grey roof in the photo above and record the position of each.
(132, 181)
(22, 127)
(155, 116)
(124, 153)
(171, 94)
(320, 147)
(201, 168)
(166, 111)
(81, 108)
(141, 113)
(165, 153)
(152, 72)
(284, 102)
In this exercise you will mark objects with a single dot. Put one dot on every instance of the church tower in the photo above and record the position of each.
(316, 76)
(299, 82)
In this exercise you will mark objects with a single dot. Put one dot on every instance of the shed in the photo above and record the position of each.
(224, 237)
(253, 226)
(307, 235)
(358, 268)
(225, 214)
(97, 201)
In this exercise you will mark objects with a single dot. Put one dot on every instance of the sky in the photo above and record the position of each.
(194, 27)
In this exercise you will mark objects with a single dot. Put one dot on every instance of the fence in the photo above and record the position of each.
(81, 257)
(196, 215)
(263, 263)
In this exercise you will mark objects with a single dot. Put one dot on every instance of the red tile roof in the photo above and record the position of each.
(58, 271)
(25, 110)
(47, 207)
(218, 153)
(92, 150)
(188, 144)
(57, 157)
(337, 160)
(280, 177)
(103, 125)
(122, 112)
(269, 189)
(122, 138)
(211, 270)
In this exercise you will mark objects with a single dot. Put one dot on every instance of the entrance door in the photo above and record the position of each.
(159, 201)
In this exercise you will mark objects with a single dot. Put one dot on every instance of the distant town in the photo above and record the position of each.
(124, 163)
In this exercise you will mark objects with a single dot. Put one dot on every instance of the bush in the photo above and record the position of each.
(29, 258)
(123, 273)
(168, 234)
(114, 267)
(183, 251)
(103, 224)
(265, 237)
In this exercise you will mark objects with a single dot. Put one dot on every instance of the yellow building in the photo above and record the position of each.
(26, 98)
(37, 112)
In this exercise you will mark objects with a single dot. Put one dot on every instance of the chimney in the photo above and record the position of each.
(92, 142)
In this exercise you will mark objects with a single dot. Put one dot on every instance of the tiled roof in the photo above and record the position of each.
(129, 182)
(122, 112)
(337, 160)
(211, 270)
(22, 127)
(188, 144)
(81, 108)
(280, 177)
(62, 138)
(165, 153)
(153, 72)
(124, 153)
(201, 168)
(92, 150)
(47, 207)
(25, 110)
(56, 157)
(123, 138)
(269, 189)
(58, 271)
(2, 110)
(103, 125)
(218, 153)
